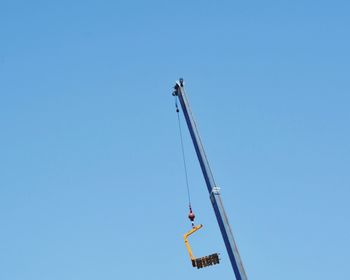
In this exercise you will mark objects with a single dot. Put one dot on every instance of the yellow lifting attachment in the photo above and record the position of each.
(200, 262)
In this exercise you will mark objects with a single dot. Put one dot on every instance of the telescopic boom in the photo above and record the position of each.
(214, 191)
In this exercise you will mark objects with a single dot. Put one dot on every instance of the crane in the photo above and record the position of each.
(213, 189)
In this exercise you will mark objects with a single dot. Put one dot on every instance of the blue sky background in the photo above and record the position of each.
(91, 178)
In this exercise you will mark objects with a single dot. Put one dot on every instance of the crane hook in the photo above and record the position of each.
(191, 216)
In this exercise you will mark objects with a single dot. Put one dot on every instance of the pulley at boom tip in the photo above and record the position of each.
(179, 83)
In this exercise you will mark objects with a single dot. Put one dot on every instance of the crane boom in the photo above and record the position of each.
(214, 191)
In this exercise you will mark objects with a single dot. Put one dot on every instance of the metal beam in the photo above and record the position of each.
(213, 190)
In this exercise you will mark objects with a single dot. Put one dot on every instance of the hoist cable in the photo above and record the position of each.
(183, 153)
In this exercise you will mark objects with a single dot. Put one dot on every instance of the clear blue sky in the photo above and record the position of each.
(91, 178)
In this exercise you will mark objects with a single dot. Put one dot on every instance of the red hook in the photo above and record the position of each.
(191, 216)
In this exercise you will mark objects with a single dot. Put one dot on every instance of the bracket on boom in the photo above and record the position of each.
(203, 261)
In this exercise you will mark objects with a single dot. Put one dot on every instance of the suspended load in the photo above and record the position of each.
(203, 261)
